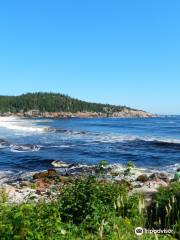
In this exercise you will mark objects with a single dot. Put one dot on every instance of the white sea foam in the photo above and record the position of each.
(159, 139)
(22, 124)
(24, 148)
(102, 137)
(124, 138)
(62, 146)
(171, 168)
(5, 176)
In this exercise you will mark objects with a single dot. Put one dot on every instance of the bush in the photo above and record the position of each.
(30, 221)
(89, 202)
(164, 211)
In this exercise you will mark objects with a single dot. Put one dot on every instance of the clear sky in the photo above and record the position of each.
(123, 52)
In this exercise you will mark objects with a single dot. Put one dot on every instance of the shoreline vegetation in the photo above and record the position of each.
(54, 105)
(90, 202)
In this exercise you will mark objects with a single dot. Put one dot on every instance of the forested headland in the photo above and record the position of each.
(52, 102)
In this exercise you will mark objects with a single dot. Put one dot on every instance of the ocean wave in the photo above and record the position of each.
(23, 124)
(24, 148)
(62, 146)
(161, 141)
(102, 137)
(170, 168)
(130, 138)
(70, 132)
(5, 176)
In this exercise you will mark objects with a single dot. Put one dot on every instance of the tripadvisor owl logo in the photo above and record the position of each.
(139, 231)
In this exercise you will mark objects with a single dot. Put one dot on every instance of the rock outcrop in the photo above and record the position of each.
(127, 113)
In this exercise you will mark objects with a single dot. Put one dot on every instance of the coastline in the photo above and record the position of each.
(22, 186)
(46, 185)
(123, 114)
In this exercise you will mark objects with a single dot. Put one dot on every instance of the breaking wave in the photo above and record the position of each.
(23, 124)
(127, 138)
(24, 148)
(112, 138)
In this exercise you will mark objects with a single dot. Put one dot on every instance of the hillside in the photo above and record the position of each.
(58, 103)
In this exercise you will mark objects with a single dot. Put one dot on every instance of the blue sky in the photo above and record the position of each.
(119, 52)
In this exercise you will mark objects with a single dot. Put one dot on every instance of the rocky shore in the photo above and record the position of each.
(46, 185)
(126, 113)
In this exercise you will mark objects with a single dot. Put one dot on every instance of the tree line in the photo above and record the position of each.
(52, 102)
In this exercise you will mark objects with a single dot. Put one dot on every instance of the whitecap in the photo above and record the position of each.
(124, 138)
(23, 125)
(61, 146)
(24, 148)
(171, 168)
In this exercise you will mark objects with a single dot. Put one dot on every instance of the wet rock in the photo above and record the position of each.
(52, 173)
(40, 175)
(48, 174)
(80, 170)
(142, 178)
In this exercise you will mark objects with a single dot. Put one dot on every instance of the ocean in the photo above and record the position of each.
(28, 145)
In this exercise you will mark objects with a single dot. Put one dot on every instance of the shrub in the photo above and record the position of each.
(164, 211)
(30, 221)
(3, 195)
(89, 202)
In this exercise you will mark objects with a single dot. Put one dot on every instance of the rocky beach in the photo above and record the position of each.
(47, 185)
(126, 113)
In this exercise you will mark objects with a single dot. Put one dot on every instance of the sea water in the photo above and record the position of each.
(33, 144)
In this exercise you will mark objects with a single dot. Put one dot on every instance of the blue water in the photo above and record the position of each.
(150, 143)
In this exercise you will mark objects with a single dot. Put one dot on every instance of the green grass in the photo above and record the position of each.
(88, 209)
